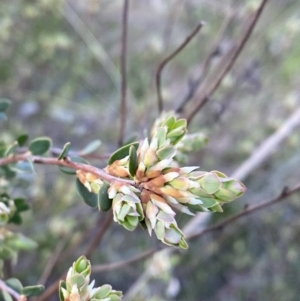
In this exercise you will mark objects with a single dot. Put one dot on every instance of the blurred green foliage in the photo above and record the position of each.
(59, 66)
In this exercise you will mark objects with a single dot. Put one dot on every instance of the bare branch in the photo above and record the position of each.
(67, 163)
(123, 72)
(11, 292)
(229, 62)
(194, 85)
(97, 239)
(168, 59)
(249, 210)
(120, 264)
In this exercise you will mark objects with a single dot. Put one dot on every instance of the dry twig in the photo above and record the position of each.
(123, 72)
(168, 59)
(227, 65)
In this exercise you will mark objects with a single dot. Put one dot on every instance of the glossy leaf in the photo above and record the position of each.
(90, 148)
(71, 171)
(121, 152)
(4, 104)
(104, 202)
(40, 146)
(34, 290)
(133, 161)
(65, 151)
(90, 198)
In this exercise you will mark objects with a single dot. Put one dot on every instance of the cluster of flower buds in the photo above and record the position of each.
(159, 186)
(77, 286)
(91, 181)
(126, 205)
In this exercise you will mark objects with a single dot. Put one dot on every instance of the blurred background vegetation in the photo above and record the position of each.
(59, 64)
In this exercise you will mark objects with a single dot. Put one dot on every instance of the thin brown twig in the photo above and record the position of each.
(10, 291)
(123, 72)
(195, 84)
(117, 265)
(97, 239)
(249, 210)
(168, 59)
(65, 162)
(230, 60)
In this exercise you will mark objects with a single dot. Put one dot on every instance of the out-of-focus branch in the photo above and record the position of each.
(53, 288)
(123, 72)
(168, 59)
(268, 146)
(194, 84)
(67, 163)
(225, 65)
(249, 210)
(10, 291)
(117, 265)
(97, 239)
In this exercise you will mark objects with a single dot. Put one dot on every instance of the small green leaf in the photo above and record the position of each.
(62, 284)
(216, 208)
(4, 104)
(133, 162)
(121, 152)
(104, 202)
(15, 284)
(169, 122)
(16, 219)
(166, 152)
(71, 171)
(11, 149)
(22, 139)
(4, 296)
(90, 148)
(40, 146)
(65, 151)
(34, 290)
(143, 224)
(21, 204)
(89, 198)
(210, 183)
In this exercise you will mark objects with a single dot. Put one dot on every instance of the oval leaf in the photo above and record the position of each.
(11, 149)
(89, 198)
(4, 296)
(104, 202)
(34, 290)
(40, 146)
(4, 104)
(121, 152)
(71, 171)
(90, 148)
(15, 284)
(133, 161)
(65, 151)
